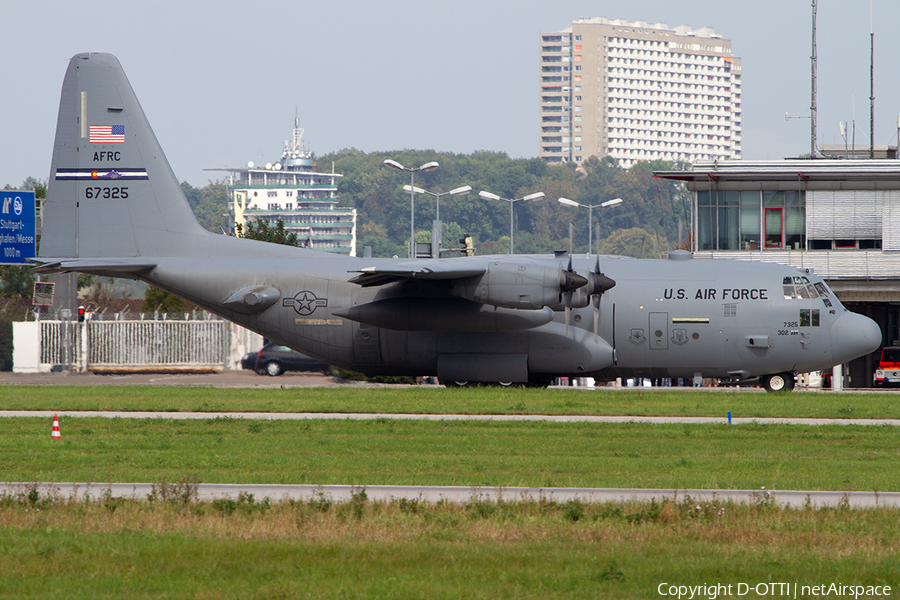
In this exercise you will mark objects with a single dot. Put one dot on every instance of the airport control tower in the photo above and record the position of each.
(291, 190)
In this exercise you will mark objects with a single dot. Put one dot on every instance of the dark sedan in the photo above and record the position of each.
(273, 360)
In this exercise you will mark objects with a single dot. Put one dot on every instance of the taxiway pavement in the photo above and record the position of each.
(463, 494)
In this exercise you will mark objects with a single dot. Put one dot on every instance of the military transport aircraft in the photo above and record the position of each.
(115, 208)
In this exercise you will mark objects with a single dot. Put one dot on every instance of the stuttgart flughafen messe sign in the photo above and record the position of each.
(17, 236)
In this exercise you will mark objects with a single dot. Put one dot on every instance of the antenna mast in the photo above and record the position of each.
(812, 107)
(871, 85)
(297, 146)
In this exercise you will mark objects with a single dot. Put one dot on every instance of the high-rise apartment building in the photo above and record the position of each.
(637, 91)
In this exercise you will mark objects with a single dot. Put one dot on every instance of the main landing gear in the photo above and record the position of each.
(779, 382)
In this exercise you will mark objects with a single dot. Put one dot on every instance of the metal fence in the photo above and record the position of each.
(158, 344)
(61, 343)
(98, 345)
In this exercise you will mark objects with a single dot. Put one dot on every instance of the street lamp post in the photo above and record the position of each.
(489, 196)
(412, 196)
(437, 229)
(460, 191)
(590, 208)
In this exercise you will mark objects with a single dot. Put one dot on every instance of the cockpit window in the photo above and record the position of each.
(797, 286)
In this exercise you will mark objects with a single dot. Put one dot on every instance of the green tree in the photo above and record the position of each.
(16, 282)
(210, 205)
(156, 299)
(265, 232)
(635, 242)
(654, 205)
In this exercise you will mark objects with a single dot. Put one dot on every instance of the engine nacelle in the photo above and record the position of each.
(526, 285)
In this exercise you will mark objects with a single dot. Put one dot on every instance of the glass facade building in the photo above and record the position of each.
(751, 220)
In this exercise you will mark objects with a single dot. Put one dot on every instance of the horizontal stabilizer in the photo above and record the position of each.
(107, 267)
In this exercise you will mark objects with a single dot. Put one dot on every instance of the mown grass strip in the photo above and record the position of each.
(439, 400)
(389, 452)
(58, 548)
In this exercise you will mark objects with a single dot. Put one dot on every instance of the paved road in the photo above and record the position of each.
(462, 494)
(448, 417)
(247, 379)
(250, 379)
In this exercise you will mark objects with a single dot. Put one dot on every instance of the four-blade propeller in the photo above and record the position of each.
(579, 291)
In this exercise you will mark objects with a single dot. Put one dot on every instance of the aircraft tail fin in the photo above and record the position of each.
(111, 191)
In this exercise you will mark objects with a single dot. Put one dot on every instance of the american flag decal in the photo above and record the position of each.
(107, 134)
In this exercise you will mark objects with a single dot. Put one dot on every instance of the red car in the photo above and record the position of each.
(888, 371)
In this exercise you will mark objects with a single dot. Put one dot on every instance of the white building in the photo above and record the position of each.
(637, 91)
(290, 190)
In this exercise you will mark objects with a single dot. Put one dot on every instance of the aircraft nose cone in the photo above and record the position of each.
(853, 336)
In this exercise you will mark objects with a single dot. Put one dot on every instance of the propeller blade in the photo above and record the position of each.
(599, 283)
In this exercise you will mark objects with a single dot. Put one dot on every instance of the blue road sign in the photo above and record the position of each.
(17, 239)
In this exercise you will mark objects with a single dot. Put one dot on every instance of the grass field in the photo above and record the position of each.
(254, 548)
(439, 400)
(390, 452)
(246, 548)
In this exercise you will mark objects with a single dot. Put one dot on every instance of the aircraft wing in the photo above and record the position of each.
(433, 270)
(104, 267)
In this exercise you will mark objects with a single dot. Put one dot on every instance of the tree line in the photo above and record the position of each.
(654, 216)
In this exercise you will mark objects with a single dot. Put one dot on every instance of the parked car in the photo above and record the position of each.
(274, 360)
(888, 372)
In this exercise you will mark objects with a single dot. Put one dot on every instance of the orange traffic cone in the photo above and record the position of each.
(55, 434)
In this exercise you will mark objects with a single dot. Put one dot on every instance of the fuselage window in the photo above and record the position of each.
(809, 317)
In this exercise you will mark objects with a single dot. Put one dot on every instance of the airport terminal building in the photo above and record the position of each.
(840, 218)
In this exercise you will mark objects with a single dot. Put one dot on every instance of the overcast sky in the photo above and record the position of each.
(221, 80)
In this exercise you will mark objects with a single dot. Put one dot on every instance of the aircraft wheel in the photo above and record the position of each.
(450, 384)
(273, 369)
(779, 382)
